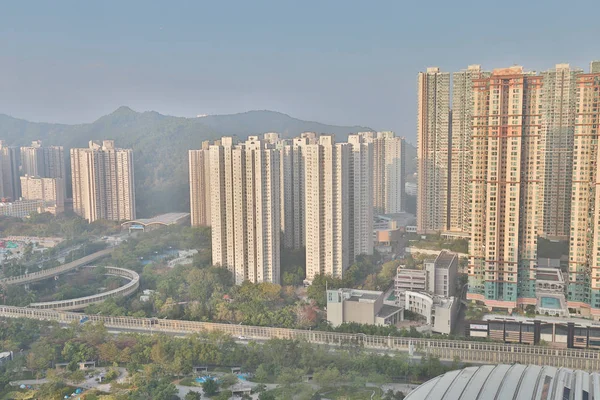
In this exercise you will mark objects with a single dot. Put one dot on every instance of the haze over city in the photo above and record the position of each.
(337, 62)
(335, 200)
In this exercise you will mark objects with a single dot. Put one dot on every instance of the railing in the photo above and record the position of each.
(82, 302)
(475, 352)
(52, 272)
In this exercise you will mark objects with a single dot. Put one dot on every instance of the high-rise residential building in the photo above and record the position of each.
(32, 159)
(361, 195)
(45, 162)
(583, 293)
(199, 174)
(460, 150)
(328, 208)
(506, 189)
(103, 182)
(433, 141)
(245, 211)
(10, 187)
(558, 125)
(293, 202)
(50, 190)
(388, 171)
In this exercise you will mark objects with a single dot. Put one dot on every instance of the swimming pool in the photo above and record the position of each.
(550, 302)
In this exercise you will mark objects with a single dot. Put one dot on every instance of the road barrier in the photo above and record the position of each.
(472, 352)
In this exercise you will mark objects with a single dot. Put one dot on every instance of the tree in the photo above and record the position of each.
(191, 395)
(266, 396)
(228, 380)
(261, 374)
(210, 387)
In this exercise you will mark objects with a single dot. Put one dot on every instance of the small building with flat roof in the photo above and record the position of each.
(362, 307)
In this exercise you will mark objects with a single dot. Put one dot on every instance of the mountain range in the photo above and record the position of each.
(160, 144)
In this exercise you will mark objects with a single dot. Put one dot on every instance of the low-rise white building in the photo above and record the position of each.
(439, 312)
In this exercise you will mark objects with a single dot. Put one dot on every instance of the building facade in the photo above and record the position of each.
(506, 188)
(361, 195)
(583, 292)
(199, 175)
(103, 182)
(362, 307)
(460, 149)
(43, 161)
(328, 208)
(433, 141)
(50, 190)
(293, 181)
(558, 125)
(245, 210)
(10, 187)
(442, 273)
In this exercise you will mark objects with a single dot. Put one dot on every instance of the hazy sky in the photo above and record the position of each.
(341, 62)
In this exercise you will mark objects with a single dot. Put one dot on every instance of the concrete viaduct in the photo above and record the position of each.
(475, 352)
(52, 272)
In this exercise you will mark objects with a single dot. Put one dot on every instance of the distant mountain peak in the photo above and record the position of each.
(124, 110)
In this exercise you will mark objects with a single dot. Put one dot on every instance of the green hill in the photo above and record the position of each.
(160, 144)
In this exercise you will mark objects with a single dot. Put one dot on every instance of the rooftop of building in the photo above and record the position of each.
(5, 354)
(387, 310)
(360, 295)
(444, 259)
(163, 219)
(517, 382)
(549, 274)
(542, 318)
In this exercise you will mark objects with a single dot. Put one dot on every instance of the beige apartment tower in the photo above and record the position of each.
(199, 175)
(103, 182)
(461, 156)
(433, 140)
(506, 188)
(50, 190)
(584, 250)
(245, 210)
(558, 125)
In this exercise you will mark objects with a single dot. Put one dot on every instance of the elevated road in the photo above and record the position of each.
(82, 302)
(471, 352)
(52, 272)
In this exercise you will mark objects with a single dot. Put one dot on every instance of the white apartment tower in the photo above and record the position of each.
(245, 210)
(103, 182)
(558, 124)
(433, 140)
(328, 208)
(199, 175)
(461, 156)
(293, 202)
(506, 188)
(361, 195)
(388, 171)
(45, 162)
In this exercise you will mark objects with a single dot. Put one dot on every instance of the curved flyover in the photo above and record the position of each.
(52, 272)
(82, 302)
